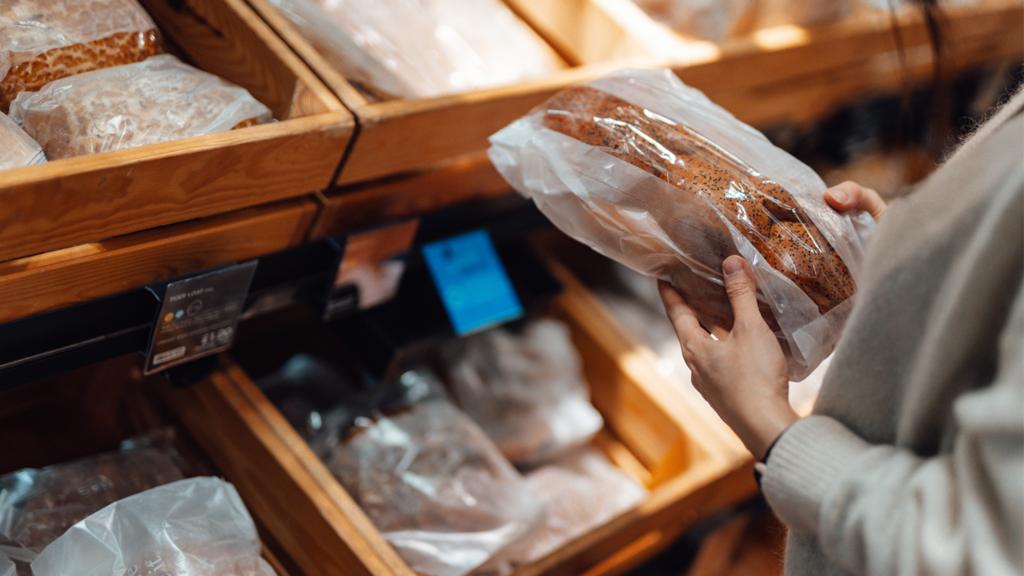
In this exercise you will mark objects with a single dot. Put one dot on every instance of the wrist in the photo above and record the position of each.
(762, 431)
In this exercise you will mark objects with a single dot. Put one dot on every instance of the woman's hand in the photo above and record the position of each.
(850, 196)
(741, 373)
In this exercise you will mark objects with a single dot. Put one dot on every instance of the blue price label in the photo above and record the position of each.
(473, 283)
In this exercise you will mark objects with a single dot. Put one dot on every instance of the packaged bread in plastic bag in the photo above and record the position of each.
(17, 149)
(46, 40)
(194, 527)
(423, 48)
(705, 19)
(525, 389)
(649, 172)
(431, 481)
(38, 505)
(157, 100)
(581, 491)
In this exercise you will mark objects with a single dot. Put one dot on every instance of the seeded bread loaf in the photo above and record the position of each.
(158, 100)
(724, 190)
(43, 41)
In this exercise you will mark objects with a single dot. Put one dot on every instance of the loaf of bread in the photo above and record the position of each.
(432, 483)
(17, 149)
(157, 100)
(760, 209)
(525, 389)
(423, 48)
(649, 172)
(43, 41)
(39, 505)
(193, 527)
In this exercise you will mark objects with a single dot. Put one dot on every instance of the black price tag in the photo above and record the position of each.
(199, 316)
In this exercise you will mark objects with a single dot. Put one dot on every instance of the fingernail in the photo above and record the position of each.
(732, 265)
(839, 195)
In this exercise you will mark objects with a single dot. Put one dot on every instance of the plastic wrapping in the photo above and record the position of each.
(651, 173)
(704, 19)
(17, 149)
(581, 492)
(43, 41)
(423, 48)
(38, 505)
(194, 527)
(432, 482)
(526, 391)
(157, 100)
(6, 566)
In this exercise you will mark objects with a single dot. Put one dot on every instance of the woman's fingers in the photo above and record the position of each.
(742, 290)
(688, 328)
(850, 196)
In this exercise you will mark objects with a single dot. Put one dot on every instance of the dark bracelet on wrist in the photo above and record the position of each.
(761, 465)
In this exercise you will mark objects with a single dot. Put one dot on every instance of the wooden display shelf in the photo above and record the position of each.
(409, 195)
(90, 411)
(38, 284)
(91, 198)
(651, 432)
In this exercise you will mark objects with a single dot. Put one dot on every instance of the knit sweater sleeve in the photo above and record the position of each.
(883, 510)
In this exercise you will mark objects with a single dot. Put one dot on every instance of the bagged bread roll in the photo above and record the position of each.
(649, 172)
(581, 491)
(157, 100)
(45, 40)
(525, 389)
(17, 149)
(194, 527)
(423, 48)
(430, 480)
(38, 505)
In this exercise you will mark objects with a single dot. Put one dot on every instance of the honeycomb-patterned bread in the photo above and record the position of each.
(17, 149)
(158, 100)
(45, 40)
(713, 188)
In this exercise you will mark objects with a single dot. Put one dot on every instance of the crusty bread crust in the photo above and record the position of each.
(114, 50)
(760, 209)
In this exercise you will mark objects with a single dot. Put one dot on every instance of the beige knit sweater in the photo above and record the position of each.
(913, 462)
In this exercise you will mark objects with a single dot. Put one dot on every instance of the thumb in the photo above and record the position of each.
(850, 196)
(742, 290)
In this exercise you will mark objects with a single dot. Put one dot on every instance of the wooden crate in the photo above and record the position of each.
(41, 283)
(91, 198)
(90, 411)
(401, 135)
(651, 432)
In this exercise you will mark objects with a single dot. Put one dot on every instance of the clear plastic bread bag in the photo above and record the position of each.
(432, 482)
(44, 41)
(423, 48)
(194, 527)
(649, 172)
(38, 505)
(157, 100)
(17, 149)
(525, 390)
(581, 491)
